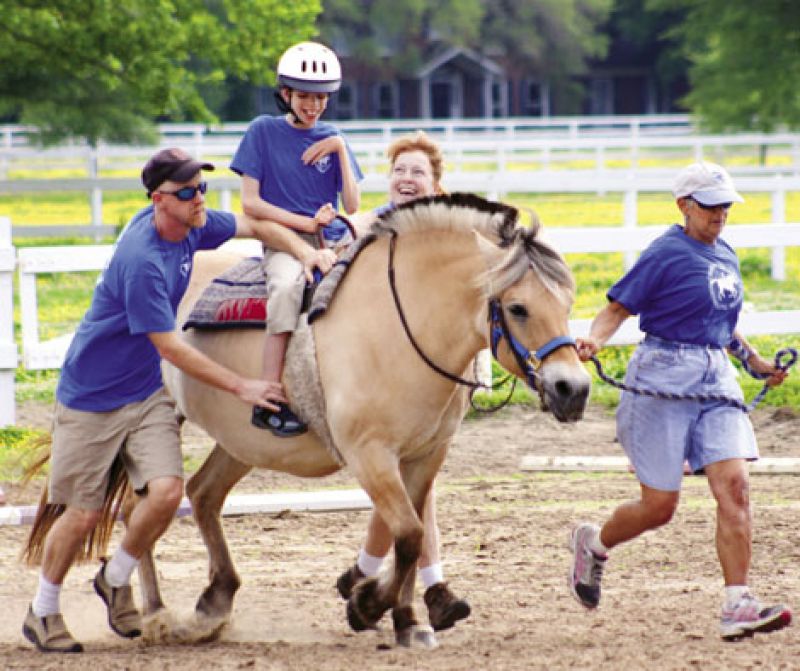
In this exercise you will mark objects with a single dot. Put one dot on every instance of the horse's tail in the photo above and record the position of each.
(47, 513)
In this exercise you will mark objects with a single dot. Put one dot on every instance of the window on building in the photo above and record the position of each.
(601, 96)
(498, 100)
(531, 98)
(384, 100)
(345, 103)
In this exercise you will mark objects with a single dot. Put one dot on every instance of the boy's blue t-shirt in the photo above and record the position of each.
(111, 361)
(684, 290)
(270, 152)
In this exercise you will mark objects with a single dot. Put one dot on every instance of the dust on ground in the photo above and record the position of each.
(504, 535)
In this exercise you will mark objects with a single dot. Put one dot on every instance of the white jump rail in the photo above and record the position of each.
(8, 348)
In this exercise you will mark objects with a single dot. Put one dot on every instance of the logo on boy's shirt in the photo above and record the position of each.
(724, 286)
(324, 164)
(186, 266)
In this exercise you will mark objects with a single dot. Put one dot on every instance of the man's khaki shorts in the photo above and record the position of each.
(145, 434)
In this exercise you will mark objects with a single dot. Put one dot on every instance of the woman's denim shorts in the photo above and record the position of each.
(658, 435)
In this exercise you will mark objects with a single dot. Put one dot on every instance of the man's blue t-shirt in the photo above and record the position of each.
(684, 290)
(270, 152)
(111, 361)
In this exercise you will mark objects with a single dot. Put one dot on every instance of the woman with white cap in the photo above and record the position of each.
(687, 290)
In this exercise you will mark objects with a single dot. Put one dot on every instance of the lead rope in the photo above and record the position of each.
(789, 352)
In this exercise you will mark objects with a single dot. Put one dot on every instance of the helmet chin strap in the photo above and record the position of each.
(285, 107)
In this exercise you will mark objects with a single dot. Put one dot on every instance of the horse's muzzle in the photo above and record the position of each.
(564, 392)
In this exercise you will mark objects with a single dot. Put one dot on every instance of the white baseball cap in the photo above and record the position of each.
(707, 183)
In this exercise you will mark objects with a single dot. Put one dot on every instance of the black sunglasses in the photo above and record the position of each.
(724, 206)
(187, 193)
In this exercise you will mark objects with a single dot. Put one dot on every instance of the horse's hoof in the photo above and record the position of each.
(417, 636)
(355, 620)
(158, 627)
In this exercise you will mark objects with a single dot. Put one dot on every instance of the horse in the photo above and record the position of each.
(443, 278)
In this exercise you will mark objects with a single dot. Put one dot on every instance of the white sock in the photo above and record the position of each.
(46, 601)
(120, 567)
(368, 564)
(432, 574)
(733, 593)
(596, 546)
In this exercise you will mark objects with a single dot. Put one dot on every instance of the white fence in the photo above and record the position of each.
(38, 354)
(8, 348)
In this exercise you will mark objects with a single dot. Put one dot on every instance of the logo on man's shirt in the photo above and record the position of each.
(186, 265)
(724, 286)
(324, 164)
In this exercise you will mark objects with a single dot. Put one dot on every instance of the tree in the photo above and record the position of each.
(106, 70)
(546, 37)
(744, 61)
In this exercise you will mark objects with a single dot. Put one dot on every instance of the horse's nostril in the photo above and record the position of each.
(563, 388)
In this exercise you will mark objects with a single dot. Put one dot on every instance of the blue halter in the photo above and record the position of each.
(527, 361)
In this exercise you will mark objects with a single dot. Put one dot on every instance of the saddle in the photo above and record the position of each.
(237, 298)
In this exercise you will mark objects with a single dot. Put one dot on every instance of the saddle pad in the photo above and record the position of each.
(235, 299)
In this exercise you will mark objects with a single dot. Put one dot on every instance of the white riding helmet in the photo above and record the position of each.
(310, 67)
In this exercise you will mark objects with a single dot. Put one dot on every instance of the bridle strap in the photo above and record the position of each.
(527, 362)
(393, 286)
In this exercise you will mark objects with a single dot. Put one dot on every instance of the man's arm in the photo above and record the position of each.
(282, 239)
(193, 362)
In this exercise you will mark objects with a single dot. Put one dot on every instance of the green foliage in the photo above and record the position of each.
(745, 70)
(17, 450)
(391, 37)
(104, 70)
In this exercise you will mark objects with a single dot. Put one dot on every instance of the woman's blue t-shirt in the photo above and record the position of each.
(684, 290)
(111, 361)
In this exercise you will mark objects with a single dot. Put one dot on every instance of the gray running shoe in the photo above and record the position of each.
(747, 617)
(586, 568)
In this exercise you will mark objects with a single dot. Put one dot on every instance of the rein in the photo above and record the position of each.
(528, 362)
(789, 352)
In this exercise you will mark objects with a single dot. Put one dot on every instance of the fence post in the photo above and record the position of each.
(779, 217)
(8, 348)
(630, 221)
(96, 196)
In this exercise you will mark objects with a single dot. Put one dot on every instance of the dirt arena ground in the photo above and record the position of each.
(504, 535)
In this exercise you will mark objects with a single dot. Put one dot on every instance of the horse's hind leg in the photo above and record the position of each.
(207, 490)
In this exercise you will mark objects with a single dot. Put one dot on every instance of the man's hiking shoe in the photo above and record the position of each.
(123, 618)
(747, 617)
(444, 607)
(284, 423)
(586, 569)
(348, 580)
(49, 633)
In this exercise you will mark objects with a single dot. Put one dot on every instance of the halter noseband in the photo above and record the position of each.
(528, 362)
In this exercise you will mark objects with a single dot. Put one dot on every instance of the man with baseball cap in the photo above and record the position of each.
(111, 404)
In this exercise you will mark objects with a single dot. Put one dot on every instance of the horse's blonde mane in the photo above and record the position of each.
(496, 221)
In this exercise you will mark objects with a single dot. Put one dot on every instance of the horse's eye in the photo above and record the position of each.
(518, 311)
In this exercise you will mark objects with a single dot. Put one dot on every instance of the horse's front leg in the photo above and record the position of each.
(378, 473)
(418, 478)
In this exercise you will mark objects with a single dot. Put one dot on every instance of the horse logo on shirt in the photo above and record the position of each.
(724, 286)
(324, 164)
